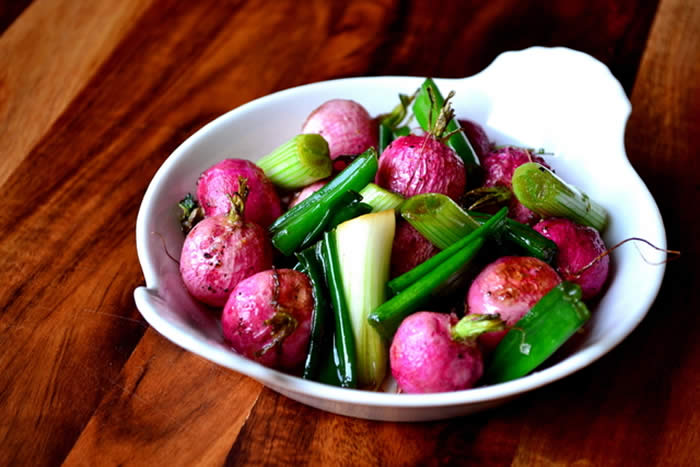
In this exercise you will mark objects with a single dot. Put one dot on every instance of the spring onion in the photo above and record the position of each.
(348, 212)
(379, 198)
(402, 131)
(443, 222)
(438, 218)
(387, 317)
(407, 279)
(324, 223)
(299, 162)
(389, 123)
(541, 191)
(386, 136)
(525, 237)
(289, 230)
(312, 267)
(538, 334)
(345, 355)
(416, 285)
(364, 252)
(330, 363)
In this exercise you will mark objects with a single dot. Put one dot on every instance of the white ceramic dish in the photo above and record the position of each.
(558, 99)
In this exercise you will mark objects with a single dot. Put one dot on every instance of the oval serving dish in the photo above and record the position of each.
(554, 98)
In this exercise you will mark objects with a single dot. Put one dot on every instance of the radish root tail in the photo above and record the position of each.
(165, 248)
(675, 254)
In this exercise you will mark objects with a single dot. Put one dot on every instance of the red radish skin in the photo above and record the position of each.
(477, 136)
(345, 125)
(305, 192)
(221, 180)
(509, 287)
(409, 249)
(499, 166)
(424, 358)
(256, 301)
(218, 253)
(578, 246)
(412, 165)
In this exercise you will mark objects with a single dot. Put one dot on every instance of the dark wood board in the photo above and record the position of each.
(95, 95)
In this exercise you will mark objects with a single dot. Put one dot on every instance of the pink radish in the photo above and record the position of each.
(218, 182)
(409, 249)
(578, 246)
(434, 352)
(268, 318)
(345, 125)
(509, 287)
(222, 250)
(413, 165)
(305, 192)
(477, 136)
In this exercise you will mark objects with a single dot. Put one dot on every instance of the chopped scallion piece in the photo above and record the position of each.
(348, 212)
(443, 222)
(415, 286)
(438, 218)
(364, 252)
(379, 198)
(345, 355)
(541, 191)
(407, 279)
(310, 265)
(299, 162)
(538, 334)
(290, 230)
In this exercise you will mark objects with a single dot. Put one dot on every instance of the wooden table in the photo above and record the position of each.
(94, 95)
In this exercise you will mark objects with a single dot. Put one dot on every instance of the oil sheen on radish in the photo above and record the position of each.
(409, 249)
(345, 125)
(509, 287)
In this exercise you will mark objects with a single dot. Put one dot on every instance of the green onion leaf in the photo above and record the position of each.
(291, 229)
(344, 340)
(379, 198)
(426, 113)
(414, 287)
(538, 334)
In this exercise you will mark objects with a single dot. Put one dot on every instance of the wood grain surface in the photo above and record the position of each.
(94, 95)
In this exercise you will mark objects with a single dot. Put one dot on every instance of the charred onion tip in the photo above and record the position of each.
(676, 254)
(491, 195)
